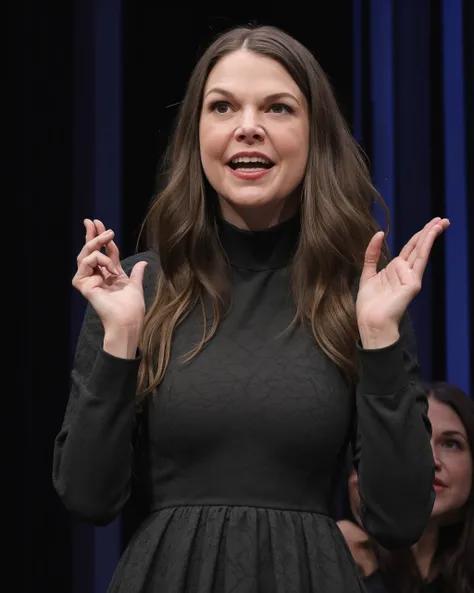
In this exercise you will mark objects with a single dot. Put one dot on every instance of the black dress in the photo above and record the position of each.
(237, 457)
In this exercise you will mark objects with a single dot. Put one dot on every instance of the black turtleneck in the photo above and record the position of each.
(237, 454)
(267, 249)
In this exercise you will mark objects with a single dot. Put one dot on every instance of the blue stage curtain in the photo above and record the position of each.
(97, 194)
(455, 165)
(413, 130)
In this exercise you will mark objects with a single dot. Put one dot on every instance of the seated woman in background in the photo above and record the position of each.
(442, 560)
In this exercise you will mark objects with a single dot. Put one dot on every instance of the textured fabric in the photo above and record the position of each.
(234, 461)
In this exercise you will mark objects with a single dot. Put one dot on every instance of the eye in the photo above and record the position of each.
(220, 107)
(280, 108)
(453, 444)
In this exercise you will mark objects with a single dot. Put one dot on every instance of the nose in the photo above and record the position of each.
(249, 130)
(437, 461)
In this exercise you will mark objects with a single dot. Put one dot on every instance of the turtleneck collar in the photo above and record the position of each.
(266, 249)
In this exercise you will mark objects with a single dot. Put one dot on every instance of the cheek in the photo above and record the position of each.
(460, 478)
(463, 482)
(295, 150)
(293, 143)
(213, 141)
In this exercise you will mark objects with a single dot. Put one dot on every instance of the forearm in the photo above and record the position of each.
(375, 339)
(93, 453)
(122, 342)
(396, 464)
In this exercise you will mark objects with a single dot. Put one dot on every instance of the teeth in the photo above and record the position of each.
(250, 159)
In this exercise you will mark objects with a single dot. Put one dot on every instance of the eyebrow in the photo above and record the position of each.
(272, 97)
(451, 433)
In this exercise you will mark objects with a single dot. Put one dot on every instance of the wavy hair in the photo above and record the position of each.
(337, 220)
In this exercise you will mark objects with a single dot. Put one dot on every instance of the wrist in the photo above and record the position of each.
(375, 338)
(122, 342)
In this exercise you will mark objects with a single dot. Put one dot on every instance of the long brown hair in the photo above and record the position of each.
(337, 222)
(454, 556)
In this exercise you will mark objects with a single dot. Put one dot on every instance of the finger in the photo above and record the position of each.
(92, 282)
(95, 244)
(372, 256)
(111, 248)
(92, 262)
(90, 230)
(112, 251)
(99, 225)
(138, 272)
(438, 228)
(410, 246)
(420, 263)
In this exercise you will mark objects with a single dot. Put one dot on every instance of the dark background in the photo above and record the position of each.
(95, 86)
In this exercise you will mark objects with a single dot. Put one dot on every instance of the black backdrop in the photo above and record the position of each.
(95, 87)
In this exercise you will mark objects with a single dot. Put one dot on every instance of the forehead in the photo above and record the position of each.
(443, 417)
(245, 72)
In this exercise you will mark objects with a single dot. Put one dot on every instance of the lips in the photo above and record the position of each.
(250, 160)
(439, 485)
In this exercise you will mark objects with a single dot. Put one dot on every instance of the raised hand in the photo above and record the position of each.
(384, 296)
(117, 298)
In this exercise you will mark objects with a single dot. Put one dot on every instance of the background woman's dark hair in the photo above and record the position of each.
(454, 558)
(337, 222)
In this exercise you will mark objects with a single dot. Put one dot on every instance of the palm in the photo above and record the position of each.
(114, 297)
(384, 295)
(389, 292)
(117, 298)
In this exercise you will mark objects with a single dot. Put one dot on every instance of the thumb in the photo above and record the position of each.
(138, 270)
(372, 256)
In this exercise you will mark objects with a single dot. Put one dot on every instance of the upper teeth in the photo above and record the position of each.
(250, 159)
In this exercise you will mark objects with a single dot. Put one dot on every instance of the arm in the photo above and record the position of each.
(392, 446)
(92, 460)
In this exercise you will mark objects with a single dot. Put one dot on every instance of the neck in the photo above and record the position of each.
(256, 218)
(425, 548)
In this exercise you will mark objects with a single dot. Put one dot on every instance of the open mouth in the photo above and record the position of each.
(249, 163)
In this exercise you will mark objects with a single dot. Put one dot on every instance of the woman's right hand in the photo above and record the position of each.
(117, 298)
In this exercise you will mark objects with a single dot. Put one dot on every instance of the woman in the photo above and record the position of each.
(267, 302)
(442, 560)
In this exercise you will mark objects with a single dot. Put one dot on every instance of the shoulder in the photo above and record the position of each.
(151, 257)
(151, 271)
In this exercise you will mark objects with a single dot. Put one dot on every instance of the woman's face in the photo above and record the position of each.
(254, 135)
(453, 464)
(453, 460)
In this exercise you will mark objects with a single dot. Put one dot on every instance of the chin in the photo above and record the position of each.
(446, 514)
(253, 198)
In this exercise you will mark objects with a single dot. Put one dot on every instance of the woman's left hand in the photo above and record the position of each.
(384, 296)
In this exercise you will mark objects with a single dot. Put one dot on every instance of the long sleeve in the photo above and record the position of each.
(392, 453)
(93, 452)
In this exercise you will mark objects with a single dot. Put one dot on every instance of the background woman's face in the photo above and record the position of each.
(453, 459)
(453, 464)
